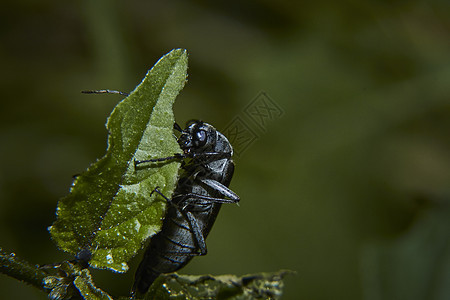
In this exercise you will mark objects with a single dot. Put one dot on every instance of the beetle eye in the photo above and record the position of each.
(200, 136)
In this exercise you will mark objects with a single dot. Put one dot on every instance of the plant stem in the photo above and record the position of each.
(12, 266)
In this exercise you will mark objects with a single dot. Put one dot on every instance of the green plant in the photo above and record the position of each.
(109, 213)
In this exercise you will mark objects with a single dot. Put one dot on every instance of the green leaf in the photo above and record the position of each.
(109, 210)
(71, 282)
(254, 286)
(61, 286)
(87, 289)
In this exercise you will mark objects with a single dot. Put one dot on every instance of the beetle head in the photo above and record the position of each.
(198, 137)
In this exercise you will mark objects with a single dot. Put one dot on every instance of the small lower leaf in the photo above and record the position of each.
(71, 281)
(87, 289)
(254, 286)
(60, 285)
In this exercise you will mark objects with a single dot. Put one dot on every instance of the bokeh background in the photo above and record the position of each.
(349, 187)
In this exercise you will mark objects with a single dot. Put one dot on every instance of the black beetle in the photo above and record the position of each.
(207, 169)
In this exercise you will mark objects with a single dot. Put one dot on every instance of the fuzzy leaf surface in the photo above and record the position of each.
(109, 211)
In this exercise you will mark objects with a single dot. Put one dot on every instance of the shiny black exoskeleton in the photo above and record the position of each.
(201, 189)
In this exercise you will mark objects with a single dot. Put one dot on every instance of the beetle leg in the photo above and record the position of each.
(175, 156)
(219, 187)
(169, 201)
(187, 196)
(216, 186)
(190, 198)
(199, 239)
(215, 155)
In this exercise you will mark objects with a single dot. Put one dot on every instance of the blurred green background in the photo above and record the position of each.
(349, 187)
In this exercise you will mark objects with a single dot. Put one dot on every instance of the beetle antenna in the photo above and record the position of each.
(177, 127)
(105, 92)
